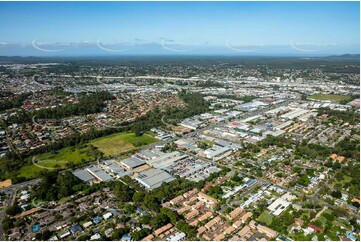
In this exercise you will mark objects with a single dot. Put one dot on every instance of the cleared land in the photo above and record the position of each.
(111, 145)
(330, 97)
(117, 144)
(54, 159)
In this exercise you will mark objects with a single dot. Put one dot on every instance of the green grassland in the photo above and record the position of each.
(117, 144)
(330, 97)
(60, 158)
(111, 145)
(265, 218)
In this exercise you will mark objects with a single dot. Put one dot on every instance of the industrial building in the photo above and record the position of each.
(83, 175)
(191, 123)
(132, 163)
(215, 153)
(294, 113)
(99, 173)
(117, 170)
(188, 144)
(153, 178)
(166, 159)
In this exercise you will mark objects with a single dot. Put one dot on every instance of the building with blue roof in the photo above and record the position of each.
(97, 219)
(126, 237)
(251, 182)
(35, 228)
(350, 236)
(76, 229)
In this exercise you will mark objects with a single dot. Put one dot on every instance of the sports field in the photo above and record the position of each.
(117, 144)
(330, 97)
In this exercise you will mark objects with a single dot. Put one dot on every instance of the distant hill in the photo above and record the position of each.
(345, 56)
(249, 61)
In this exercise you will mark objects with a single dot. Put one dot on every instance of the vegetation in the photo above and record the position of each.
(73, 156)
(245, 99)
(349, 116)
(330, 97)
(209, 84)
(120, 143)
(88, 103)
(15, 102)
(56, 185)
(195, 105)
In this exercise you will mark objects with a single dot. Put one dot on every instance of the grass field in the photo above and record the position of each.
(117, 144)
(266, 218)
(56, 158)
(111, 145)
(330, 97)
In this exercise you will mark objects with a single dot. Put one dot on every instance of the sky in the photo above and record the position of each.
(124, 28)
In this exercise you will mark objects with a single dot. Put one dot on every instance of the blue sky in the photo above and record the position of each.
(62, 28)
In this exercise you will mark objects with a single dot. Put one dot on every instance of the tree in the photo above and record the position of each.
(159, 220)
(336, 194)
(138, 197)
(13, 210)
(138, 235)
(190, 231)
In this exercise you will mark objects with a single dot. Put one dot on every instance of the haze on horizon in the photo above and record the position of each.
(179, 28)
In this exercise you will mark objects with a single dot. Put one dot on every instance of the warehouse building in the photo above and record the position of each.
(132, 163)
(294, 113)
(83, 175)
(217, 154)
(166, 159)
(191, 123)
(117, 170)
(99, 173)
(153, 178)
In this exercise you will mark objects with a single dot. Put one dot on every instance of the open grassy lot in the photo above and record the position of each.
(330, 97)
(120, 143)
(58, 158)
(111, 145)
(265, 218)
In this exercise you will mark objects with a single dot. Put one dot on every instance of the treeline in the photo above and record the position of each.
(209, 84)
(88, 104)
(245, 99)
(195, 105)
